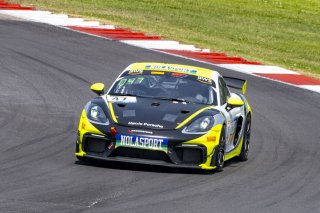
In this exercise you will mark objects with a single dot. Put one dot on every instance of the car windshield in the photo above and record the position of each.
(166, 85)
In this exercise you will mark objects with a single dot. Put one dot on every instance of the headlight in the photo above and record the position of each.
(199, 126)
(95, 114)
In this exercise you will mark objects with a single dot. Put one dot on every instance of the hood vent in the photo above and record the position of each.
(155, 104)
(185, 111)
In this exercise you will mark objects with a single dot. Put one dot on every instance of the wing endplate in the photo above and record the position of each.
(236, 83)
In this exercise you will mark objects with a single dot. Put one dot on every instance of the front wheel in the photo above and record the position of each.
(219, 152)
(80, 158)
(246, 140)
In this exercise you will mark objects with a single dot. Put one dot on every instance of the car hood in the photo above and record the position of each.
(151, 113)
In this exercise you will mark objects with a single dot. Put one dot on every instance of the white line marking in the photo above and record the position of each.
(258, 69)
(315, 88)
(160, 44)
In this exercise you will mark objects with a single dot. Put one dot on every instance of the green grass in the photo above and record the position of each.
(279, 32)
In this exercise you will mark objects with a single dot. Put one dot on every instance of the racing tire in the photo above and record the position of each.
(246, 140)
(219, 153)
(81, 158)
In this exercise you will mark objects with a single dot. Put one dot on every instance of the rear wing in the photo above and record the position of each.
(236, 83)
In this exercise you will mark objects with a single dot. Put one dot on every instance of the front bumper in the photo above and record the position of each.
(178, 154)
(183, 150)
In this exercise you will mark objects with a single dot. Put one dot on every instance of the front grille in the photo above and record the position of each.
(141, 153)
(95, 145)
(189, 155)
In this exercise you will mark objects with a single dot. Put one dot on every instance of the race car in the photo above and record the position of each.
(168, 115)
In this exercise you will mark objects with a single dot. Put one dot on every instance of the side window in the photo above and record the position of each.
(224, 92)
(226, 89)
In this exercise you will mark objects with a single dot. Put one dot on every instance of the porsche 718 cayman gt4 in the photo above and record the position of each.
(169, 115)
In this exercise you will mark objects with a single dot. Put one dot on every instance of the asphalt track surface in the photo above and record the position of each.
(45, 74)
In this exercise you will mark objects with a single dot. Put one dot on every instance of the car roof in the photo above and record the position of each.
(191, 70)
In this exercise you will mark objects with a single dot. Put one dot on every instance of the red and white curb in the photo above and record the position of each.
(158, 43)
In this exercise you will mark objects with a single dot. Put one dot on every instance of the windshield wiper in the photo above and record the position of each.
(173, 99)
(161, 98)
(129, 94)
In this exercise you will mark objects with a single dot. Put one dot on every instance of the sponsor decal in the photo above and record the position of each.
(128, 113)
(140, 131)
(110, 145)
(176, 74)
(171, 68)
(135, 72)
(145, 124)
(157, 73)
(122, 99)
(152, 143)
(170, 117)
(204, 80)
(130, 81)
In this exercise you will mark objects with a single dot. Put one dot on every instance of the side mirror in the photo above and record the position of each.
(97, 88)
(236, 102)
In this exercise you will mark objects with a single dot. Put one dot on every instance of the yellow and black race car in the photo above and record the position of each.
(169, 115)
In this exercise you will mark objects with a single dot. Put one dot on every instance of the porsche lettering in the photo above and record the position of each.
(145, 124)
